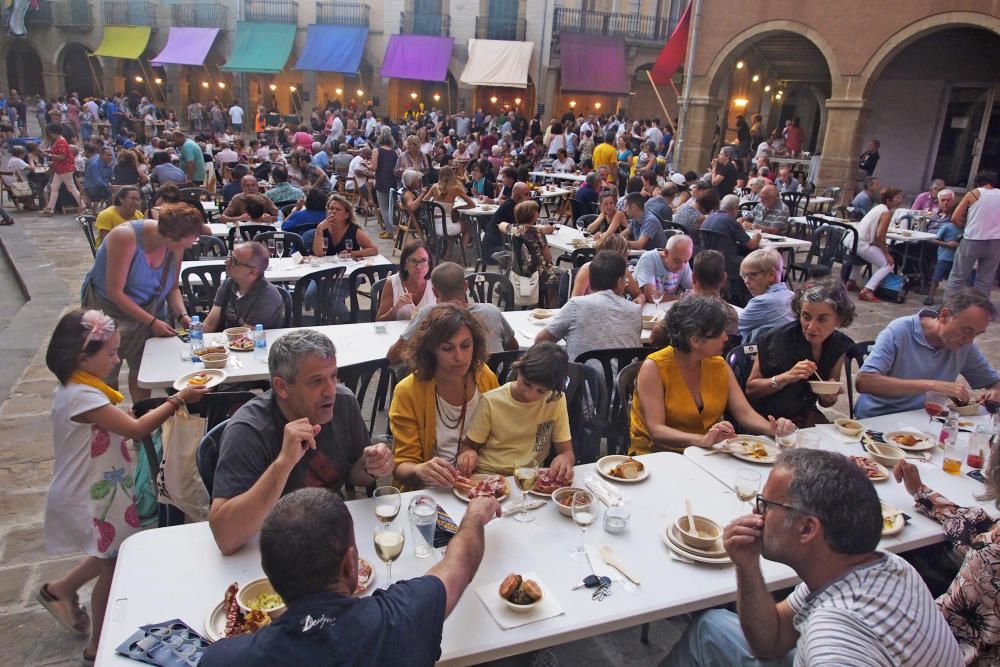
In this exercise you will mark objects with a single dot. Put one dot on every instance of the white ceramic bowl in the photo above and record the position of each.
(887, 455)
(849, 427)
(708, 531)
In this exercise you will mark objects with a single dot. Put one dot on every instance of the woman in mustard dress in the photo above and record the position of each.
(684, 390)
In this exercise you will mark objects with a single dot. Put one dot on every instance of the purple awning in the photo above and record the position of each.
(593, 63)
(186, 46)
(419, 57)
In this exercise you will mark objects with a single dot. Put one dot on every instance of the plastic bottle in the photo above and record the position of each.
(259, 344)
(948, 441)
(197, 336)
(281, 219)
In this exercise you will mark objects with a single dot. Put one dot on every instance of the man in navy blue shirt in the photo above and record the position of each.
(308, 552)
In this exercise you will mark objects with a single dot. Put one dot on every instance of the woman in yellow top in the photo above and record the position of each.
(683, 390)
(432, 408)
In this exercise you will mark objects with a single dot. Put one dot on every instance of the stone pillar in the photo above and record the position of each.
(702, 117)
(172, 89)
(842, 145)
(54, 82)
(310, 86)
(109, 76)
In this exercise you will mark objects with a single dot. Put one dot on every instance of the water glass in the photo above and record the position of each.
(808, 439)
(616, 520)
(423, 519)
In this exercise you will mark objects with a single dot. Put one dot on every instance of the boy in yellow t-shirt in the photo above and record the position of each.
(522, 419)
(125, 207)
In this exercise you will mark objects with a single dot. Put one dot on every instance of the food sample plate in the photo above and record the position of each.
(478, 478)
(717, 551)
(893, 526)
(606, 468)
(910, 441)
(691, 555)
(752, 448)
(876, 471)
(364, 580)
(215, 622)
(216, 376)
(240, 346)
(544, 490)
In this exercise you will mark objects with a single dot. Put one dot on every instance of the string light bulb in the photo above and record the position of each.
(739, 64)
(339, 91)
(138, 79)
(755, 78)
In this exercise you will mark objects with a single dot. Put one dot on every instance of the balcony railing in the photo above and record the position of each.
(130, 13)
(629, 26)
(271, 11)
(75, 15)
(492, 27)
(41, 16)
(419, 23)
(342, 13)
(199, 15)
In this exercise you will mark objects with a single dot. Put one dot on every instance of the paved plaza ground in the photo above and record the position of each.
(51, 257)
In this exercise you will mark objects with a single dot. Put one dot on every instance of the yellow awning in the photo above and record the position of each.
(123, 41)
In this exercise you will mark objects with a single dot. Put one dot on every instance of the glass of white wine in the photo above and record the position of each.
(525, 474)
(747, 486)
(386, 503)
(585, 511)
(389, 541)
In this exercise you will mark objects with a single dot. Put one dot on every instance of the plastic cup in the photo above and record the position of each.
(423, 518)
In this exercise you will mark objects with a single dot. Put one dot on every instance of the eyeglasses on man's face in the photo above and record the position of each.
(761, 504)
(232, 261)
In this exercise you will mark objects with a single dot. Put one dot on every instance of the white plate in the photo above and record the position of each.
(735, 449)
(683, 553)
(215, 623)
(925, 443)
(607, 463)
(461, 495)
(897, 525)
(674, 536)
(218, 377)
(238, 349)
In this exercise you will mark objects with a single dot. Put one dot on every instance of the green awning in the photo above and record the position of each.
(261, 47)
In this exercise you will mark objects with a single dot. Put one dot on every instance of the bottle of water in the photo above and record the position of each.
(197, 336)
(281, 219)
(259, 344)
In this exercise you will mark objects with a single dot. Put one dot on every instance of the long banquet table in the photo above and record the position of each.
(285, 270)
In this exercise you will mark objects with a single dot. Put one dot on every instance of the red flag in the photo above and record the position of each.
(674, 51)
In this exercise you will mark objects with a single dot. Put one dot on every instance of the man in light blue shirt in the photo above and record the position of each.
(771, 305)
(667, 271)
(644, 229)
(927, 352)
(865, 199)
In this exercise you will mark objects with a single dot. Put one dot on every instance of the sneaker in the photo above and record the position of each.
(929, 301)
(852, 286)
(869, 296)
(385, 235)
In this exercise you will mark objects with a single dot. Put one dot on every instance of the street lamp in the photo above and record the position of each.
(204, 84)
(739, 65)
(138, 79)
(437, 98)
(292, 88)
(273, 87)
(493, 99)
(517, 101)
(361, 93)
(158, 80)
(222, 84)
(413, 96)
(339, 91)
(572, 104)
(597, 105)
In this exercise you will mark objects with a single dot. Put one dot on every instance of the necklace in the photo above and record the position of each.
(453, 424)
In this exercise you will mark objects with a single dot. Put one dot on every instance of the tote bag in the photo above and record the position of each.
(179, 482)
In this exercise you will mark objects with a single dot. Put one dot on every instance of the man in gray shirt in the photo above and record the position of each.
(448, 283)
(645, 232)
(600, 320)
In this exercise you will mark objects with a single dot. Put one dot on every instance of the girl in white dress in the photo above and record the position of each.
(90, 507)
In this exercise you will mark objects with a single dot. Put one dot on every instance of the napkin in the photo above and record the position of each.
(297, 257)
(602, 569)
(507, 618)
(605, 492)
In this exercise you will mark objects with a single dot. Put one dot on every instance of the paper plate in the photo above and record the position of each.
(606, 464)
(218, 377)
(462, 496)
(924, 442)
(691, 555)
(897, 524)
(734, 447)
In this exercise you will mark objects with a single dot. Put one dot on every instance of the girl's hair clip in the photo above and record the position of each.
(99, 326)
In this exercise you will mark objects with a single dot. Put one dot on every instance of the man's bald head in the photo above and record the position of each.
(249, 185)
(448, 280)
(520, 192)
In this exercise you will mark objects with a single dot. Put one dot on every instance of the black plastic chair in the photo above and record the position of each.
(675, 227)
(827, 247)
(358, 378)
(200, 295)
(500, 363)
(620, 416)
(587, 404)
(848, 258)
(747, 206)
(735, 291)
(376, 298)
(362, 283)
(585, 220)
(577, 258)
(286, 300)
(86, 223)
(201, 194)
(492, 288)
(291, 243)
(207, 247)
(741, 359)
(796, 202)
(207, 455)
(435, 218)
(247, 232)
(611, 361)
(327, 283)
(855, 353)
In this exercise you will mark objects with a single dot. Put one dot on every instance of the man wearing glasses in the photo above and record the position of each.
(819, 514)
(246, 298)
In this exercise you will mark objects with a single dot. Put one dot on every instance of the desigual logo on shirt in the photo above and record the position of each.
(310, 623)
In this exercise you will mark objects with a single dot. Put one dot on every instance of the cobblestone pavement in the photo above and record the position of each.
(53, 252)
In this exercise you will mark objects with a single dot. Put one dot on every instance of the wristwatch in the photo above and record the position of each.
(774, 383)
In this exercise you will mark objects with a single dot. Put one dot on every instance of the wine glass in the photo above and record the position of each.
(747, 486)
(386, 503)
(934, 404)
(348, 246)
(326, 243)
(525, 474)
(389, 541)
(279, 248)
(584, 510)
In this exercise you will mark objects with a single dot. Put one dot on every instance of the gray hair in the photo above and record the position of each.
(729, 203)
(694, 317)
(260, 256)
(592, 179)
(764, 259)
(411, 178)
(832, 488)
(286, 352)
(678, 239)
(945, 193)
(829, 291)
(968, 297)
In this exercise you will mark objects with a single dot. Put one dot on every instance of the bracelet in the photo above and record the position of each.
(176, 401)
(153, 321)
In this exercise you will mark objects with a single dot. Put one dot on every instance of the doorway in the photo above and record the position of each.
(970, 134)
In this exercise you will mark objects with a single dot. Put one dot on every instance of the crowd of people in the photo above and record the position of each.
(288, 455)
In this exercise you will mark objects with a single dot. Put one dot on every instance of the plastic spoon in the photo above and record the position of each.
(690, 516)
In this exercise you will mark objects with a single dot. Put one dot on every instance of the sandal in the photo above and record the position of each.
(69, 613)
(47, 212)
(8, 221)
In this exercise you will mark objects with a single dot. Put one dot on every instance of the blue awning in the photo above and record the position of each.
(333, 48)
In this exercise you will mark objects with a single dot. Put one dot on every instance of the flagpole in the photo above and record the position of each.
(686, 99)
(663, 106)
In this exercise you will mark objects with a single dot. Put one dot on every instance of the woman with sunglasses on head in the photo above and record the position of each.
(408, 291)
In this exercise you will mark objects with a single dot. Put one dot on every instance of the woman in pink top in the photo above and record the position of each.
(62, 166)
(303, 138)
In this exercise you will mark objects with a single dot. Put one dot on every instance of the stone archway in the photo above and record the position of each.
(24, 69)
(79, 69)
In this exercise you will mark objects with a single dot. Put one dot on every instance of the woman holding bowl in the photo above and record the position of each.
(432, 407)
(683, 390)
(408, 291)
(790, 355)
(134, 281)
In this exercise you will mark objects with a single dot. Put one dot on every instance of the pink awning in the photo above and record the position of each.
(187, 46)
(593, 63)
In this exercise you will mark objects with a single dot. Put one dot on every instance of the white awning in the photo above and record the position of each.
(494, 62)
